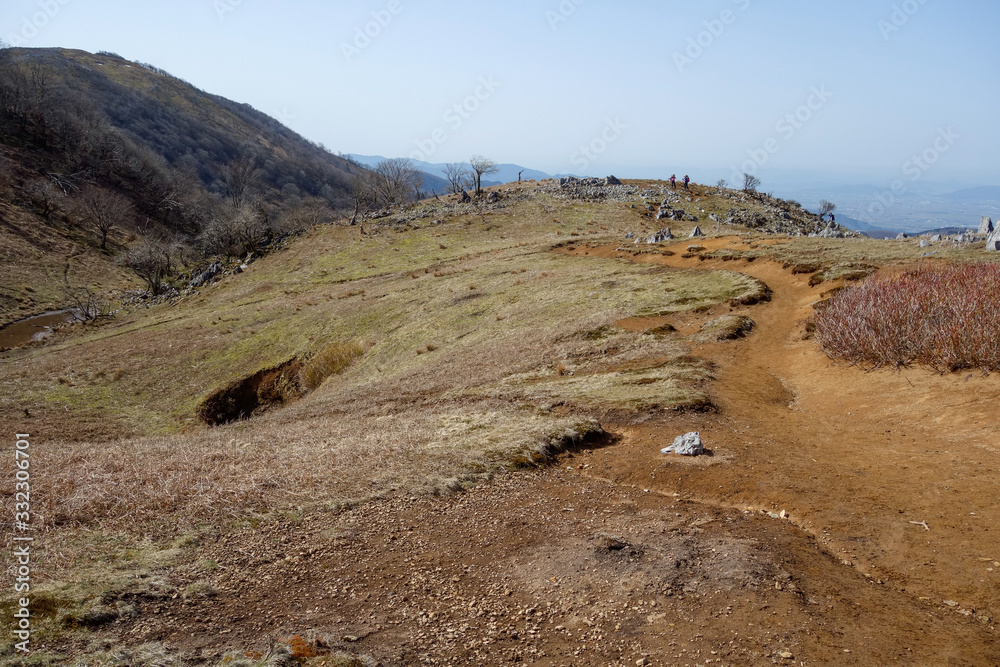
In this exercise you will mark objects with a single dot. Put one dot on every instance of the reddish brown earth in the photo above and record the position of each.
(619, 555)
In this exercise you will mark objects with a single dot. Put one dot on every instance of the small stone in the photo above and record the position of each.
(786, 655)
(642, 662)
(688, 444)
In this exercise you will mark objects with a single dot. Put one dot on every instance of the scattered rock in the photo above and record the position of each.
(924, 243)
(993, 242)
(492, 198)
(902, 235)
(611, 180)
(466, 198)
(659, 237)
(985, 225)
(688, 444)
(206, 276)
(696, 232)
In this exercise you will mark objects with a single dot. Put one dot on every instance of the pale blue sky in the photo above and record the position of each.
(565, 75)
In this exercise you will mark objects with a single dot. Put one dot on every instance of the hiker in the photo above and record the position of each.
(833, 218)
(686, 181)
(673, 181)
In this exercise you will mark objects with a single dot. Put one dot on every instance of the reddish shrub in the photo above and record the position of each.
(945, 318)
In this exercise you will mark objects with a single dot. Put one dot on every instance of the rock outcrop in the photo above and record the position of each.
(993, 242)
(985, 226)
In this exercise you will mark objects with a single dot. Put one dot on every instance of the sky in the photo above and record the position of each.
(871, 90)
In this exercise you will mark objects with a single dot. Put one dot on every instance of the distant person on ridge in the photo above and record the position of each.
(673, 181)
(833, 218)
(686, 181)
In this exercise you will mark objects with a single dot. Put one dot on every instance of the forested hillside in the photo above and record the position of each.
(98, 153)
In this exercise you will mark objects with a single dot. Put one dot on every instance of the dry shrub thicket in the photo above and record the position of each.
(947, 318)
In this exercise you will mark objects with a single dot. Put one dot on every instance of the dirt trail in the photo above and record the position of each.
(622, 556)
(853, 457)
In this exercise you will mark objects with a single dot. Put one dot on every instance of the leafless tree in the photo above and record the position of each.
(458, 175)
(308, 213)
(239, 178)
(150, 260)
(482, 166)
(88, 305)
(236, 232)
(104, 210)
(826, 208)
(722, 184)
(750, 182)
(365, 195)
(395, 180)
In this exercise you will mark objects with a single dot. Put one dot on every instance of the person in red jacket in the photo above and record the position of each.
(673, 181)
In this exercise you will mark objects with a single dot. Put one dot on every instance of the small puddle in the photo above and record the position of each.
(32, 328)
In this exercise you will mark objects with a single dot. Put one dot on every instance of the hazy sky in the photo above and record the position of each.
(585, 86)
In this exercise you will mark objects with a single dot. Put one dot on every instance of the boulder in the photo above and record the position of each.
(936, 238)
(924, 243)
(993, 242)
(465, 197)
(696, 232)
(660, 236)
(611, 180)
(492, 198)
(206, 276)
(985, 225)
(688, 444)
(902, 235)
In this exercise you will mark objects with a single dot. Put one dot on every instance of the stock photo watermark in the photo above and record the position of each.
(787, 127)
(901, 15)
(564, 12)
(454, 118)
(22, 539)
(36, 22)
(914, 168)
(223, 7)
(589, 153)
(714, 29)
(370, 31)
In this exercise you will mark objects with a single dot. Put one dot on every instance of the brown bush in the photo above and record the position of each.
(945, 318)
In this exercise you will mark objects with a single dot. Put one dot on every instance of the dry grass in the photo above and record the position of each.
(947, 318)
(331, 360)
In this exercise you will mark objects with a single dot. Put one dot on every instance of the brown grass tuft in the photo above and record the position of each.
(331, 360)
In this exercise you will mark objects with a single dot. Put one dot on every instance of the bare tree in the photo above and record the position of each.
(239, 178)
(150, 260)
(458, 175)
(395, 179)
(309, 213)
(826, 208)
(365, 196)
(88, 305)
(104, 210)
(722, 184)
(236, 232)
(482, 166)
(750, 182)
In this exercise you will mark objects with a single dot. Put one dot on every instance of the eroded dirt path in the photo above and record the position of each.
(853, 457)
(622, 556)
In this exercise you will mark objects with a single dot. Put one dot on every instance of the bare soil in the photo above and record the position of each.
(842, 517)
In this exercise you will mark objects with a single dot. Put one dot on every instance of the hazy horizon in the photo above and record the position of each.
(852, 92)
